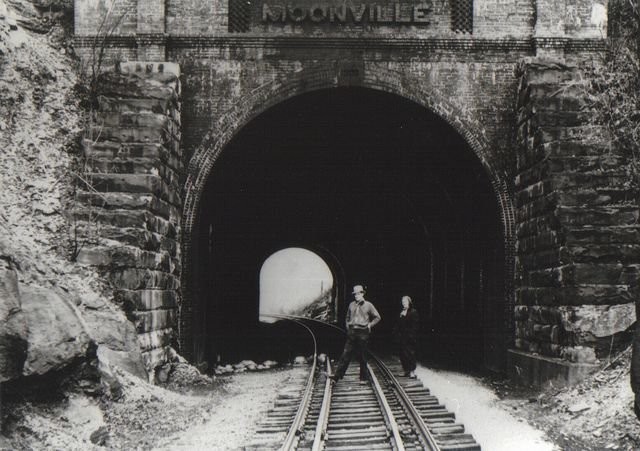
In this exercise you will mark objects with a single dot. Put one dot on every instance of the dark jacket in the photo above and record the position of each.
(406, 329)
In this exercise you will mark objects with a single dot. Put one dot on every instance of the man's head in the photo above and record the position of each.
(358, 292)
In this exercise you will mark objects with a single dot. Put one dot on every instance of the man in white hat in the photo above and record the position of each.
(361, 317)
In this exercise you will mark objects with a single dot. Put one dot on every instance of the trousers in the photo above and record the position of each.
(356, 346)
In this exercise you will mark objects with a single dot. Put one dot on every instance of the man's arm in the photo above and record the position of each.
(348, 317)
(374, 317)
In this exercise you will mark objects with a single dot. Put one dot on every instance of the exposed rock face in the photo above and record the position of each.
(39, 16)
(129, 361)
(111, 329)
(598, 320)
(54, 313)
(42, 332)
(109, 361)
(56, 332)
(47, 328)
(13, 327)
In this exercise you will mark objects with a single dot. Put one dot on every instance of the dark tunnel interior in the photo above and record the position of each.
(386, 190)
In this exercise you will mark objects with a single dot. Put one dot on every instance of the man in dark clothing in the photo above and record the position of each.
(361, 317)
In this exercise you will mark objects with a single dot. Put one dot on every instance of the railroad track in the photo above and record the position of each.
(387, 412)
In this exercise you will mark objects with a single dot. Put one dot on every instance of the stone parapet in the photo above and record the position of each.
(130, 201)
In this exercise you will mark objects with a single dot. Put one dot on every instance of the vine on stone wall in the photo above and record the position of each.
(615, 87)
(91, 68)
(86, 201)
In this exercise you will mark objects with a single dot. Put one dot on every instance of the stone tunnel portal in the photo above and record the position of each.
(387, 189)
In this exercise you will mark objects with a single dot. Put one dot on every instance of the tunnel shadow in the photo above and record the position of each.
(392, 191)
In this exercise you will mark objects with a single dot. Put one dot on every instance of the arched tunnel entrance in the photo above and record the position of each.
(391, 191)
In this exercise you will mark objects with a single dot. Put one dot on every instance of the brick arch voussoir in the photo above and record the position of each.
(445, 108)
(233, 120)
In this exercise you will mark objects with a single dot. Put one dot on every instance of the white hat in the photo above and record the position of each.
(358, 289)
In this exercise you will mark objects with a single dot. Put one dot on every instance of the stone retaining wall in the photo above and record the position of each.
(129, 197)
(576, 223)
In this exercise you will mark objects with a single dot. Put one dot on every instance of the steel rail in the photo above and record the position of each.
(320, 436)
(386, 410)
(296, 428)
(423, 430)
(300, 318)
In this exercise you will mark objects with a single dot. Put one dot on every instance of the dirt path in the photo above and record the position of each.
(478, 408)
(234, 416)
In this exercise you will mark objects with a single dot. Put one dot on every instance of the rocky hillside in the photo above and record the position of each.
(55, 316)
(321, 308)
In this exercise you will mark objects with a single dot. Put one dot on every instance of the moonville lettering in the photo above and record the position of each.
(373, 13)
